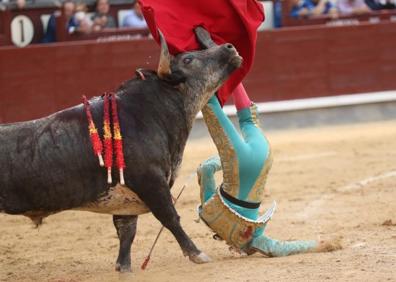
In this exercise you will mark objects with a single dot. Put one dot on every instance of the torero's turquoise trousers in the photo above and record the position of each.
(245, 161)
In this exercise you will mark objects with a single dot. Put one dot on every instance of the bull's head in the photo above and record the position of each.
(199, 74)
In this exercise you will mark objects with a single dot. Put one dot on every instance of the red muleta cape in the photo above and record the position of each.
(228, 21)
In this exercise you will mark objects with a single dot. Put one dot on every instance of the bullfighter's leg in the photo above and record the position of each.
(156, 195)
(126, 230)
(206, 178)
(275, 248)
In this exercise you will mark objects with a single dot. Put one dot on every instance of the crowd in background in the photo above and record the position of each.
(80, 21)
(335, 8)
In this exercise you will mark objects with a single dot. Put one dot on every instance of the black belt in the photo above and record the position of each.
(244, 204)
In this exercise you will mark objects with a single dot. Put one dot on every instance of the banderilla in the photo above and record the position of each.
(146, 261)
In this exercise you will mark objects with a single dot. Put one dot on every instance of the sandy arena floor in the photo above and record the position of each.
(329, 182)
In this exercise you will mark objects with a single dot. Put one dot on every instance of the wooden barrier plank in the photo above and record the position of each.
(290, 63)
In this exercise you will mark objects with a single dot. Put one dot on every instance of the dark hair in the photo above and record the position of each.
(96, 4)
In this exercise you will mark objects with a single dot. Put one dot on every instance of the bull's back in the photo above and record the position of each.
(47, 164)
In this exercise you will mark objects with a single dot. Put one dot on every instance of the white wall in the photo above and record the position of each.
(269, 15)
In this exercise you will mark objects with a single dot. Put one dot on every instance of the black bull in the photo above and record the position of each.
(48, 165)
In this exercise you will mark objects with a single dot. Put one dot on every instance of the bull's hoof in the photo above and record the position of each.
(123, 268)
(200, 258)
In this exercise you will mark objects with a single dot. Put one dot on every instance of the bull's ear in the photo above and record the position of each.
(165, 58)
(204, 38)
(175, 78)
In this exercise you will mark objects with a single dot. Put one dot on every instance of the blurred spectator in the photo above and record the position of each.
(68, 8)
(134, 18)
(381, 4)
(277, 13)
(312, 8)
(17, 4)
(21, 4)
(352, 7)
(83, 21)
(102, 19)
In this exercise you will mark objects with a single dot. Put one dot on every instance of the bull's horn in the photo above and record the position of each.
(165, 58)
(204, 38)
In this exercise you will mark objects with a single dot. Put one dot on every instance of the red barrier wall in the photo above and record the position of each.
(323, 61)
(290, 63)
(38, 80)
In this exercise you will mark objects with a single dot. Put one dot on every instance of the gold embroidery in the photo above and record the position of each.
(257, 192)
(229, 159)
(253, 111)
(235, 229)
(202, 188)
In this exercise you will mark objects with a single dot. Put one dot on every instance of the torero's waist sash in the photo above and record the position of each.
(229, 225)
(244, 204)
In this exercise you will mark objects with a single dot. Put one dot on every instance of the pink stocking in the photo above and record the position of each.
(241, 99)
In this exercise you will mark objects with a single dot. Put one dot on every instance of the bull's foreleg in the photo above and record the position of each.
(126, 230)
(156, 194)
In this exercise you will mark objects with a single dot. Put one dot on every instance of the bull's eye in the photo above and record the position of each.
(187, 60)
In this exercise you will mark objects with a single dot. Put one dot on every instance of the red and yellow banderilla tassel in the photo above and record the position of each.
(107, 136)
(118, 140)
(108, 142)
(93, 132)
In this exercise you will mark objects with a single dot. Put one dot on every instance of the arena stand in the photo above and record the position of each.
(317, 59)
(372, 17)
(27, 26)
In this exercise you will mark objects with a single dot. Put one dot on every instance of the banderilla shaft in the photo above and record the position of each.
(146, 261)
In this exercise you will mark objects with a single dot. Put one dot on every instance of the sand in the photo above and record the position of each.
(329, 183)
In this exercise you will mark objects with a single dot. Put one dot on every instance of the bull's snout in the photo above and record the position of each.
(232, 53)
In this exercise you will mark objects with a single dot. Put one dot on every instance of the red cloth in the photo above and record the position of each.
(228, 21)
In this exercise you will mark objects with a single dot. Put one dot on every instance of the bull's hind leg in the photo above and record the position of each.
(126, 230)
(156, 195)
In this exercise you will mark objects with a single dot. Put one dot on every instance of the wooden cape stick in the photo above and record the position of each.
(146, 261)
